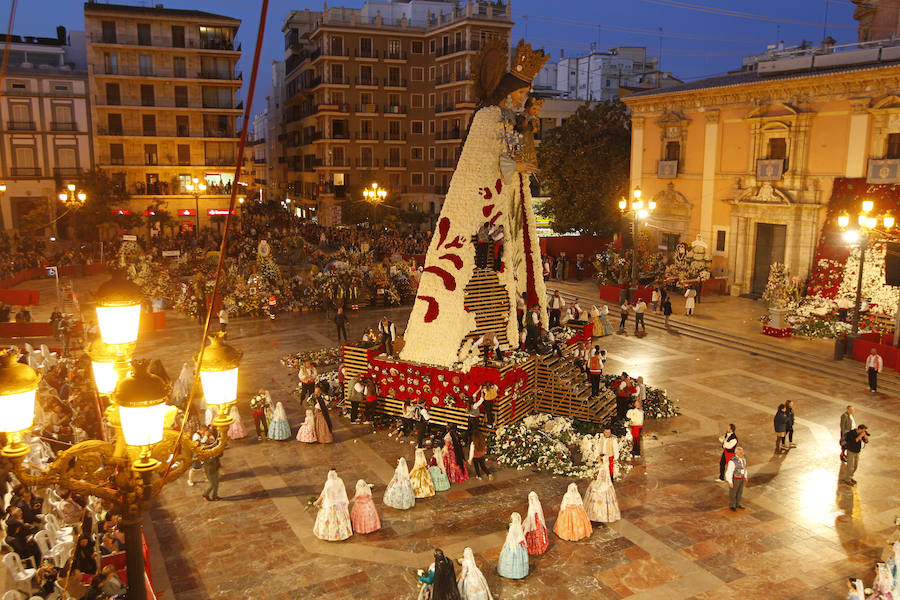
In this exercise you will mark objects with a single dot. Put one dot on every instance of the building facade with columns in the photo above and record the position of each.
(747, 160)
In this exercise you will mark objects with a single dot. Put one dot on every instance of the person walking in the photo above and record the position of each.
(848, 422)
(789, 432)
(223, 319)
(874, 363)
(341, 321)
(261, 404)
(639, 308)
(212, 468)
(853, 441)
(780, 421)
(667, 309)
(307, 376)
(736, 476)
(729, 443)
(595, 371)
(654, 299)
(624, 319)
(689, 299)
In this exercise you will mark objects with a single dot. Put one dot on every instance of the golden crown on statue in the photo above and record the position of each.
(527, 62)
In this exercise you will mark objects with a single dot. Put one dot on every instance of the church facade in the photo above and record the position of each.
(747, 159)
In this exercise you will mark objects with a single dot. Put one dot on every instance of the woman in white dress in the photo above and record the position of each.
(472, 584)
(399, 493)
(600, 499)
(333, 521)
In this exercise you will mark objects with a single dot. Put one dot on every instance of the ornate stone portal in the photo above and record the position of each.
(768, 204)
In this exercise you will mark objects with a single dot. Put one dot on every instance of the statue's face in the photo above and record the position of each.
(517, 98)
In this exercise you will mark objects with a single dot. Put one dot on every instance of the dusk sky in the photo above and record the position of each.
(700, 37)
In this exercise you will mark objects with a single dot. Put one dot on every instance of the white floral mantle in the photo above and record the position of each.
(478, 193)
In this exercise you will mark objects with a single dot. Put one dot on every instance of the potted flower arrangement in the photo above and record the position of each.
(780, 297)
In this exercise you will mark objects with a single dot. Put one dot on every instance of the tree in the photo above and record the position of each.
(585, 167)
(104, 194)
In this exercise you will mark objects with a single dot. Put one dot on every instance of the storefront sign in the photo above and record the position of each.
(187, 212)
(213, 212)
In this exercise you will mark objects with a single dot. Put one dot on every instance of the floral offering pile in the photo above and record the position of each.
(326, 357)
(542, 442)
(657, 404)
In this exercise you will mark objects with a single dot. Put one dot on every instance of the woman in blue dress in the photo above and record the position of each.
(279, 428)
(513, 563)
(438, 475)
(604, 319)
(399, 493)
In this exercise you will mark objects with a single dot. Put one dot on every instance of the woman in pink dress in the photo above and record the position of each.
(535, 526)
(454, 460)
(363, 515)
(236, 430)
(307, 431)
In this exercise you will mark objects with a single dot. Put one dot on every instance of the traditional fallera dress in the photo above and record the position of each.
(600, 499)
(423, 486)
(513, 563)
(472, 584)
(323, 423)
(279, 428)
(427, 581)
(399, 492)
(455, 466)
(572, 524)
(537, 538)
(333, 521)
(307, 431)
(236, 430)
(363, 515)
(437, 472)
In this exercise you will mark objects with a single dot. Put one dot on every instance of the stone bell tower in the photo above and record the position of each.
(878, 19)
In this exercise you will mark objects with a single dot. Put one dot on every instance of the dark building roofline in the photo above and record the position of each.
(158, 10)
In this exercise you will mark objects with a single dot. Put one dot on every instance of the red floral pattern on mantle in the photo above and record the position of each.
(438, 386)
(779, 333)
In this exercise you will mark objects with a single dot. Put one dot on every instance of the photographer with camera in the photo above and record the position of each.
(853, 442)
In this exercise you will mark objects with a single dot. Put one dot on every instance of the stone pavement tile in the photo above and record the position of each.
(638, 576)
(726, 573)
(700, 550)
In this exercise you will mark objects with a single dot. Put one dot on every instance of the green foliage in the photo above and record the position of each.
(103, 195)
(585, 167)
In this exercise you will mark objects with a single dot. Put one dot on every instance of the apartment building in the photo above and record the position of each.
(381, 94)
(163, 89)
(45, 122)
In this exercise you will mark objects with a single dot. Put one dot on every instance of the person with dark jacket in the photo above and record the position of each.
(341, 321)
(21, 541)
(789, 432)
(83, 557)
(780, 422)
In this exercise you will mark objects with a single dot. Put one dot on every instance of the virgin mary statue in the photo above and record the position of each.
(489, 186)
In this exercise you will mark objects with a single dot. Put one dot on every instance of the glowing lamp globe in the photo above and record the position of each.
(108, 363)
(868, 205)
(623, 204)
(18, 389)
(843, 220)
(637, 204)
(119, 310)
(888, 221)
(141, 399)
(637, 193)
(219, 375)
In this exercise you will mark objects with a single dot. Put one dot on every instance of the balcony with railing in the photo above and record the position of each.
(445, 163)
(450, 134)
(135, 101)
(395, 82)
(367, 135)
(20, 125)
(25, 171)
(330, 80)
(368, 163)
(332, 163)
(371, 109)
(329, 108)
(449, 49)
(441, 189)
(333, 53)
(395, 163)
(63, 126)
(67, 171)
(455, 77)
(395, 109)
(395, 136)
(158, 41)
(399, 55)
(366, 81)
(370, 53)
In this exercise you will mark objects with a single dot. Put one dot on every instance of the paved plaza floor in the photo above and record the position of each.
(801, 535)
